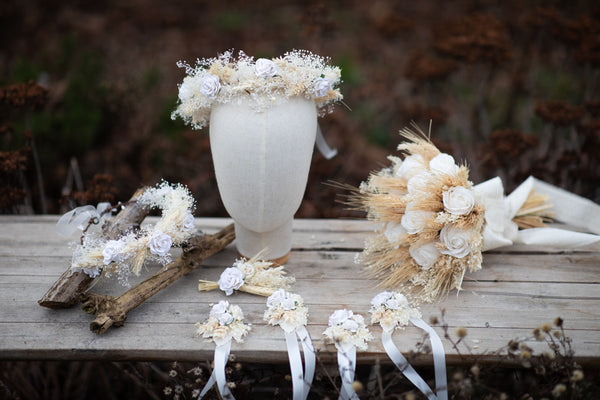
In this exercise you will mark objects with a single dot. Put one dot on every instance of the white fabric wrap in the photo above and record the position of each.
(218, 374)
(301, 381)
(78, 217)
(439, 361)
(347, 363)
(573, 210)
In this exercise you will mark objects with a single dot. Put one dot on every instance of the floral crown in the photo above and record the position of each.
(261, 83)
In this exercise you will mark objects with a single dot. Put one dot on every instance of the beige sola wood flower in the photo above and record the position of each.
(432, 219)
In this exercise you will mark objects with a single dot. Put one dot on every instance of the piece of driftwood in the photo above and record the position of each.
(67, 290)
(112, 311)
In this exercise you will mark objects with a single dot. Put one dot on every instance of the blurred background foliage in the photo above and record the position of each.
(87, 89)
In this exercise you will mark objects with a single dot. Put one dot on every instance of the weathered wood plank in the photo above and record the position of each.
(516, 291)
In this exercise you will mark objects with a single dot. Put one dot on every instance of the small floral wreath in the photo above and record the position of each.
(97, 256)
(261, 83)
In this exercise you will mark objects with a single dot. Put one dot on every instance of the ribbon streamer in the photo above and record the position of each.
(347, 363)
(78, 217)
(568, 208)
(301, 381)
(323, 147)
(218, 374)
(439, 362)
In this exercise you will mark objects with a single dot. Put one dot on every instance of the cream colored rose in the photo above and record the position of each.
(425, 255)
(411, 166)
(112, 251)
(394, 232)
(415, 221)
(443, 164)
(418, 183)
(458, 200)
(457, 241)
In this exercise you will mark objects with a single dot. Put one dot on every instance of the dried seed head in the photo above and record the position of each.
(546, 327)
(433, 320)
(538, 334)
(557, 334)
(357, 386)
(461, 332)
(558, 321)
(577, 375)
(475, 370)
(525, 354)
(558, 390)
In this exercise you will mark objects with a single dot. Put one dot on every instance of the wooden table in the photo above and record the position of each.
(517, 290)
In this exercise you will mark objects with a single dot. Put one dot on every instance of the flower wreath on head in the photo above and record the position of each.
(263, 83)
(437, 224)
(98, 256)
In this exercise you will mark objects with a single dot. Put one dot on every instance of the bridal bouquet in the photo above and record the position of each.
(435, 222)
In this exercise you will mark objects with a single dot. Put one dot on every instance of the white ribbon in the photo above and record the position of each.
(218, 374)
(439, 362)
(78, 218)
(301, 381)
(347, 363)
(568, 208)
(323, 147)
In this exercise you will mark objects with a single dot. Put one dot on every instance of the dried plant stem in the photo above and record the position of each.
(66, 291)
(205, 286)
(112, 311)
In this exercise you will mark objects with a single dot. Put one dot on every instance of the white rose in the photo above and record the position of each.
(392, 304)
(112, 251)
(288, 304)
(394, 232)
(160, 243)
(276, 298)
(225, 319)
(456, 240)
(322, 87)
(210, 86)
(339, 316)
(231, 279)
(189, 222)
(458, 200)
(411, 166)
(425, 255)
(219, 308)
(265, 68)
(415, 221)
(443, 164)
(381, 298)
(418, 183)
(350, 325)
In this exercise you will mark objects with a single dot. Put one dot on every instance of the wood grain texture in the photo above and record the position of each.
(517, 290)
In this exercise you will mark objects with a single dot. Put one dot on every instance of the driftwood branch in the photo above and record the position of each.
(112, 311)
(67, 290)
